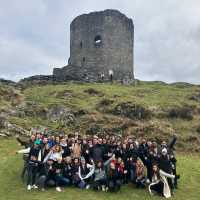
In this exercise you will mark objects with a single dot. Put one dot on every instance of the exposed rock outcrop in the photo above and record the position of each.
(62, 115)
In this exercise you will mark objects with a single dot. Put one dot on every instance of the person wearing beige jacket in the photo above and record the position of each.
(76, 150)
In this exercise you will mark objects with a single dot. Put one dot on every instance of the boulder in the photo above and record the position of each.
(195, 97)
(16, 130)
(131, 110)
(2, 122)
(5, 133)
(62, 115)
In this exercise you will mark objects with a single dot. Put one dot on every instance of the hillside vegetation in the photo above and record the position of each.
(148, 109)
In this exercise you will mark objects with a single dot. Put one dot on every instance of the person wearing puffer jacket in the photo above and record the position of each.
(159, 183)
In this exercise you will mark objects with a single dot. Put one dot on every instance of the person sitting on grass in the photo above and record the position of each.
(114, 176)
(140, 177)
(46, 175)
(100, 178)
(85, 172)
(67, 169)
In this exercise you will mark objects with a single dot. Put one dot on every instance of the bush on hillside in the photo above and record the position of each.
(92, 91)
(183, 113)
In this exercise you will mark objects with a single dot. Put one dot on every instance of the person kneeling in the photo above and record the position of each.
(140, 177)
(159, 182)
(114, 178)
(85, 171)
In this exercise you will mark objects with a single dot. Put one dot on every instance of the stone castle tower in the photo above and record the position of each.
(99, 42)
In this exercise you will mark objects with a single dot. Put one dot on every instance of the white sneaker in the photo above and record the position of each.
(58, 189)
(29, 187)
(103, 188)
(87, 187)
(35, 187)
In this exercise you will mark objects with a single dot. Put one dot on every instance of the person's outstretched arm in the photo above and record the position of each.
(162, 173)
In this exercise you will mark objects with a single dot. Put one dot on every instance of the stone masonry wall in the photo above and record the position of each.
(99, 42)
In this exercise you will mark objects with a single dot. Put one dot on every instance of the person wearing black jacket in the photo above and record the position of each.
(143, 151)
(67, 169)
(75, 169)
(26, 144)
(65, 147)
(47, 174)
(164, 164)
(96, 152)
(44, 147)
(59, 177)
(85, 151)
(33, 161)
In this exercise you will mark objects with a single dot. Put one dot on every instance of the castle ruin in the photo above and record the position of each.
(100, 42)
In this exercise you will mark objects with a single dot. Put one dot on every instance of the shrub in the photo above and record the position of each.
(184, 113)
(106, 102)
(92, 91)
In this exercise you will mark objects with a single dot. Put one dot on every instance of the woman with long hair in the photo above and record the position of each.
(114, 178)
(159, 183)
(140, 177)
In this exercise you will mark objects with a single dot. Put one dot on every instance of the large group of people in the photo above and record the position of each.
(100, 162)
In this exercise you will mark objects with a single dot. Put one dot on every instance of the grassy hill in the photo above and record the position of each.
(148, 109)
(151, 109)
(12, 187)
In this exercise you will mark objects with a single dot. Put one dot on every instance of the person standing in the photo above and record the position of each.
(33, 162)
(110, 72)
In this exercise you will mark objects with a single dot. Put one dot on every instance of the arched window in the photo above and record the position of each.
(97, 40)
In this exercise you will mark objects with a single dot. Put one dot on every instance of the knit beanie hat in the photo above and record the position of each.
(37, 142)
(82, 158)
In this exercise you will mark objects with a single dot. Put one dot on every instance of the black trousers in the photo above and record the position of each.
(114, 185)
(32, 172)
(43, 181)
(158, 188)
(99, 183)
(140, 183)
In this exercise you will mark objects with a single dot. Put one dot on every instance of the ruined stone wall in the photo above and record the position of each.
(99, 42)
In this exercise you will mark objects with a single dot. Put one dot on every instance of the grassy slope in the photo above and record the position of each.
(155, 96)
(12, 188)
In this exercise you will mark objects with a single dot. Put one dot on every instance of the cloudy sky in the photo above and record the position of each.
(34, 36)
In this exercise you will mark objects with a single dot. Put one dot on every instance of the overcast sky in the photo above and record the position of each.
(34, 36)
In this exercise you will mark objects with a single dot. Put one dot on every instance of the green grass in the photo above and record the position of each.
(155, 96)
(150, 94)
(12, 187)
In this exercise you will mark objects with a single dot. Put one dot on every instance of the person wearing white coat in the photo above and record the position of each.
(159, 182)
